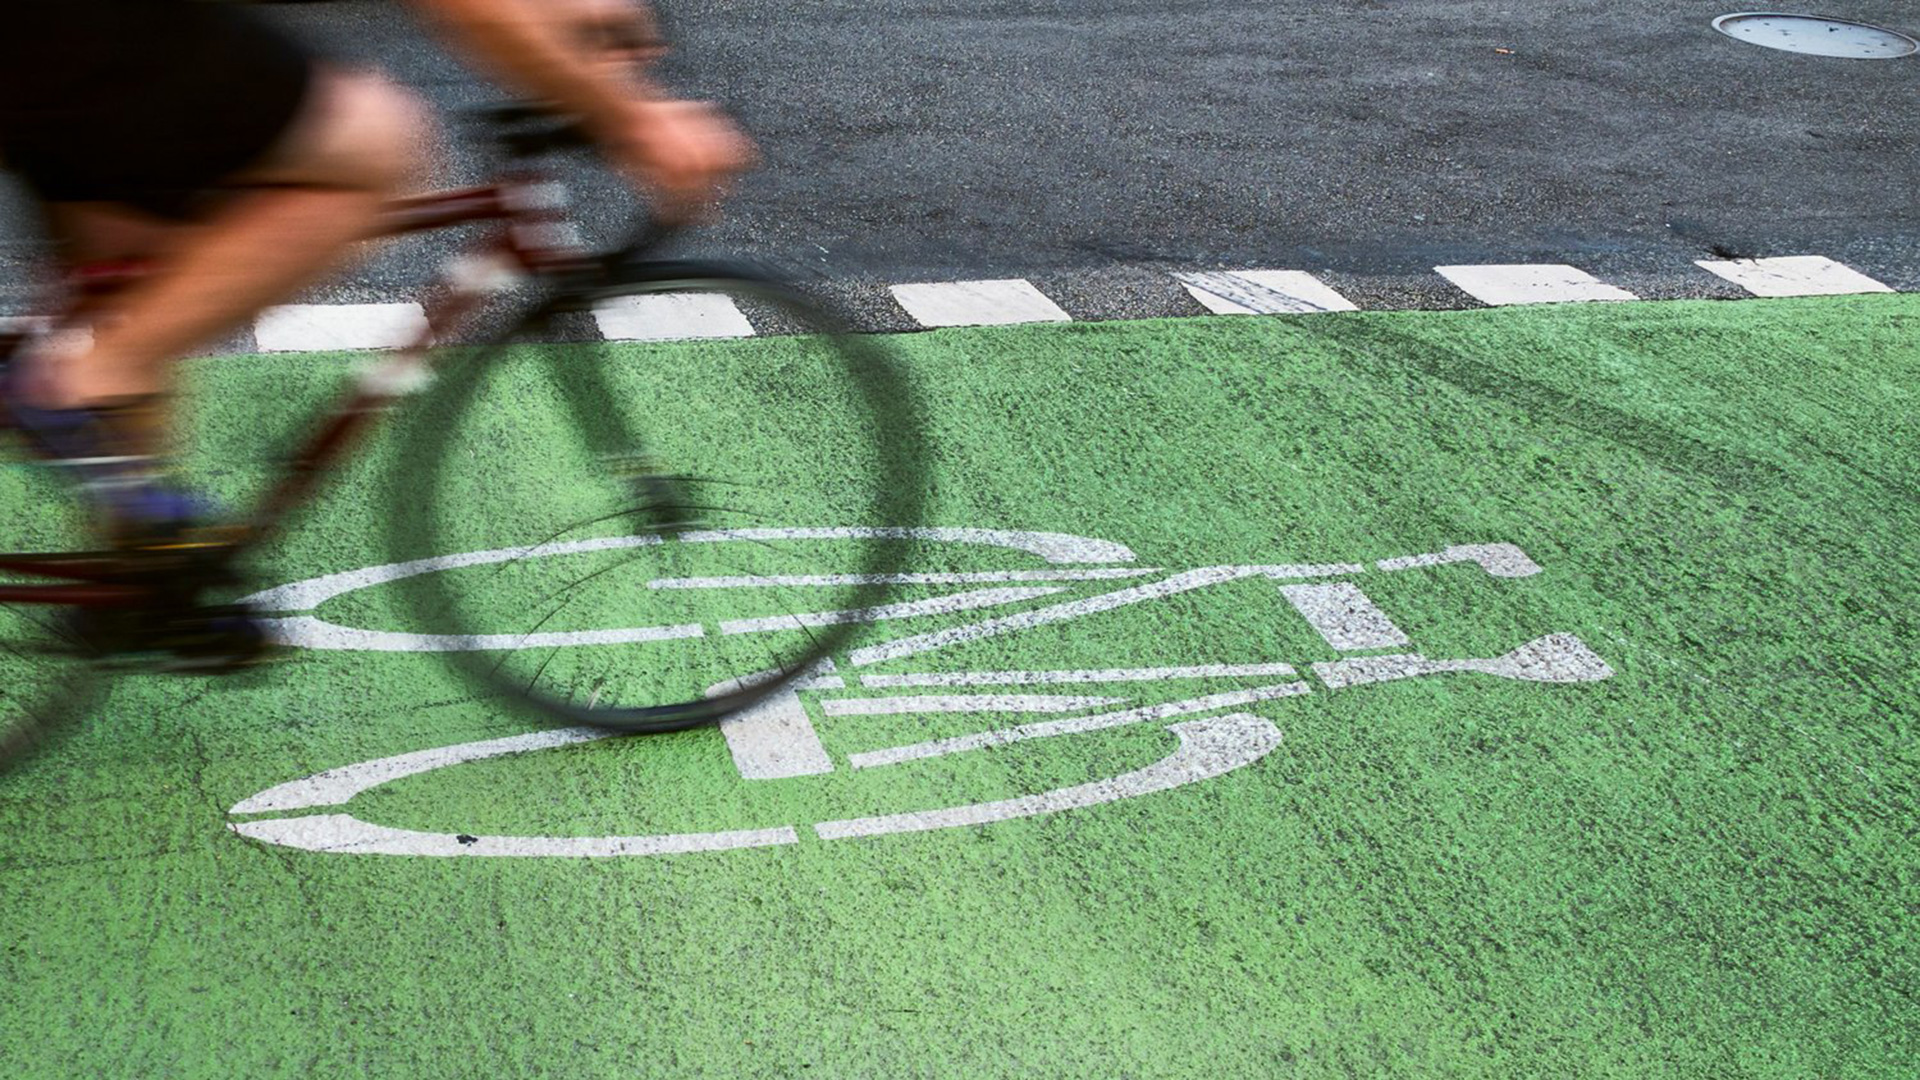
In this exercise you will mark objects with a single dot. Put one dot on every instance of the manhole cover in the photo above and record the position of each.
(1817, 35)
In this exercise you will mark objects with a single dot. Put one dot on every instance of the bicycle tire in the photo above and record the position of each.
(659, 505)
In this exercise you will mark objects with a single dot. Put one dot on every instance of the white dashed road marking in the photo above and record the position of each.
(1263, 292)
(331, 327)
(977, 303)
(1545, 283)
(325, 327)
(1796, 275)
(677, 317)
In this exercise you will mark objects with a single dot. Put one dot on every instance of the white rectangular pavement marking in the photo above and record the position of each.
(773, 739)
(1263, 292)
(1543, 283)
(321, 327)
(1794, 275)
(1344, 616)
(676, 317)
(977, 303)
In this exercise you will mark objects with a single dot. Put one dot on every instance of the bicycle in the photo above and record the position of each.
(628, 491)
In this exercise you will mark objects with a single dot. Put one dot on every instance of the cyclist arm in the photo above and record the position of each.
(578, 55)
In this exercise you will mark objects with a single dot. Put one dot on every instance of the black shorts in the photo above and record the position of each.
(146, 102)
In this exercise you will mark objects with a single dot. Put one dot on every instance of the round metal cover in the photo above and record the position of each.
(1817, 35)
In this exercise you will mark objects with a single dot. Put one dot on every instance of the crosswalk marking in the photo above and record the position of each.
(1530, 283)
(1263, 292)
(322, 327)
(331, 327)
(1794, 275)
(674, 317)
(977, 303)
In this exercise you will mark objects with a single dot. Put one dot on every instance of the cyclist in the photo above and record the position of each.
(194, 135)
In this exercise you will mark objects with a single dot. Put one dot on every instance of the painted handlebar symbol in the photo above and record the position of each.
(777, 739)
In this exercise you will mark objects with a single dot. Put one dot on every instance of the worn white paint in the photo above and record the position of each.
(1794, 275)
(977, 303)
(905, 609)
(773, 738)
(776, 740)
(328, 327)
(316, 633)
(335, 786)
(1343, 616)
(1263, 292)
(1053, 547)
(974, 577)
(1208, 748)
(671, 317)
(1046, 729)
(1100, 675)
(1073, 609)
(311, 593)
(1498, 560)
(1556, 658)
(909, 705)
(346, 834)
(1543, 283)
(310, 632)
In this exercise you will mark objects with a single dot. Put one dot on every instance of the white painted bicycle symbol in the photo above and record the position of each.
(778, 740)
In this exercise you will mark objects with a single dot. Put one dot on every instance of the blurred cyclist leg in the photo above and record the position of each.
(203, 140)
(276, 226)
(267, 231)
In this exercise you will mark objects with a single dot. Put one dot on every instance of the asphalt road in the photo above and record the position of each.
(1100, 143)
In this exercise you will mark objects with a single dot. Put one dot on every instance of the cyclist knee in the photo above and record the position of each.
(360, 132)
(386, 132)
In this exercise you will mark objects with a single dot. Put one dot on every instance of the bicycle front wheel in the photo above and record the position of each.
(651, 534)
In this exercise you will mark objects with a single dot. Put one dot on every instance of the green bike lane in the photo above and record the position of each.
(1656, 821)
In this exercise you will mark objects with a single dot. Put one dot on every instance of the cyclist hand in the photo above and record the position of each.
(680, 153)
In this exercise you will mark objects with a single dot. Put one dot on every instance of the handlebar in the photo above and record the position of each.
(523, 129)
